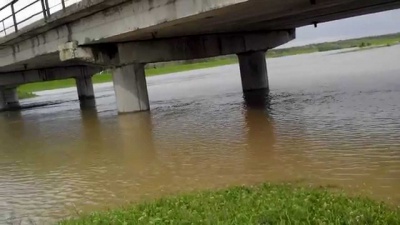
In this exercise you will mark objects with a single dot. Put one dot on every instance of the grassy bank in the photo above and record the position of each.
(24, 95)
(368, 42)
(265, 204)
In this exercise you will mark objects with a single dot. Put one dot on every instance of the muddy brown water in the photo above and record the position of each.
(331, 119)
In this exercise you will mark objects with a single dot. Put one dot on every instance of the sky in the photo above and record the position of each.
(367, 25)
(361, 26)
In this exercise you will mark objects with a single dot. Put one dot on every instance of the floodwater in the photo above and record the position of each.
(331, 119)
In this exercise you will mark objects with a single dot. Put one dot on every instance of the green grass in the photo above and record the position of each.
(191, 66)
(24, 95)
(367, 43)
(106, 77)
(265, 204)
(48, 85)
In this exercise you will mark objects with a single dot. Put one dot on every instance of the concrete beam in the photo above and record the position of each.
(104, 55)
(32, 76)
(204, 46)
(171, 49)
(101, 21)
(76, 11)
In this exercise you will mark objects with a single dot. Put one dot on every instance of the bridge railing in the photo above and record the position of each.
(19, 13)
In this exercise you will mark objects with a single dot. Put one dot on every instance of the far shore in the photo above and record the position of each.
(28, 90)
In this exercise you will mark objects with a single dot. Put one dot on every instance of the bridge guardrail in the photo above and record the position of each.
(16, 14)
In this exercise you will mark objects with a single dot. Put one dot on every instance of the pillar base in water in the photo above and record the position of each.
(87, 102)
(9, 99)
(85, 89)
(253, 71)
(257, 99)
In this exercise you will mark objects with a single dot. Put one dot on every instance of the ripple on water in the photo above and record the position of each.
(338, 127)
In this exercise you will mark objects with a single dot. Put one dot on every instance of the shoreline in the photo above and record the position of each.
(260, 204)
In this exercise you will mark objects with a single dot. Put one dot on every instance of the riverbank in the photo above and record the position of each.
(159, 69)
(264, 204)
(25, 94)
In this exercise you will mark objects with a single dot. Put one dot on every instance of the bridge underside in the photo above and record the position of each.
(96, 34)
(258, 15)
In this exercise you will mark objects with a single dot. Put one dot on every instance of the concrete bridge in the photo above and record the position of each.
(124, 35)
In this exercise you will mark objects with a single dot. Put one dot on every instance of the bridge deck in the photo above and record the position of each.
(101, 21)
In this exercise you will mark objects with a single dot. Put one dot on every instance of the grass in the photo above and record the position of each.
(363, 43)
(264, 204)
(24, 95)
(48, 85)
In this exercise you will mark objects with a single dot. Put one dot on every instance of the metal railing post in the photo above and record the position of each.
(4, 29)
(47, 7)
(63, 4)
(44, 9)
(14, 17)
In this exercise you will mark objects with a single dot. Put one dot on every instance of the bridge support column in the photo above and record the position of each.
(8, 98)
(84, 85)
(3, 104)
(253, 69)
(131, 88)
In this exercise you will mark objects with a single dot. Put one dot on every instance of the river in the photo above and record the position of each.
(332, 119)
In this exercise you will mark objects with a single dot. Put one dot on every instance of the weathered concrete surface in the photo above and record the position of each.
(253, 70)
(3, 103)
(81, 9)
(172, 49)
(8, 98)
(32, 76)
(102, 27)
(125, 21)
(84, 86)
(131, 88)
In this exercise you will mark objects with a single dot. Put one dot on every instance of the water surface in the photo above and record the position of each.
(331, 119)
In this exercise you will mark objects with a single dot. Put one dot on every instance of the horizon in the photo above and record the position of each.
(339, 40)
(370, 25)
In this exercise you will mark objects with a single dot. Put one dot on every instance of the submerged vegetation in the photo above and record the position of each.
(264, 204)
(158, 69)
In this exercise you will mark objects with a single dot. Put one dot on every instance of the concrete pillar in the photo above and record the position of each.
(253, 69)
(84, 86)
(131, 88)
(8, 98)
(3, 104)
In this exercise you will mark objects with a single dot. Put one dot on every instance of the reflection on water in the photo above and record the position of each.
(331, 119)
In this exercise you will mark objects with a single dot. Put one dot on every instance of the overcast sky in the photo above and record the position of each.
(367, 25)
